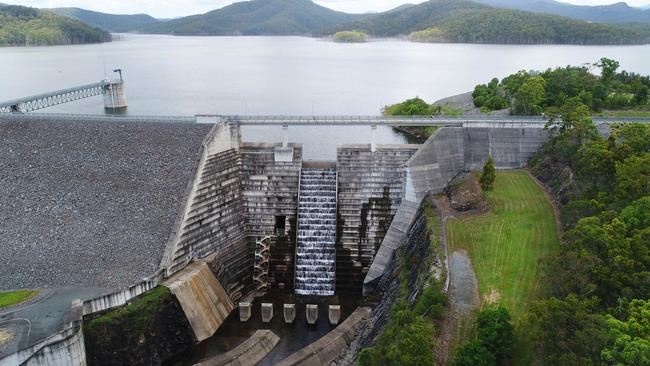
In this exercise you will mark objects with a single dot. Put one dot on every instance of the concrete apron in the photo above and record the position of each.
(204, 301)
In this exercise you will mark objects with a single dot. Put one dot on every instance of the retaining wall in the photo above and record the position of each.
(271, 175)
(204, 301)
(370, 190)
(449, 151)
(65, 348)
(249, 353)
(329, 347)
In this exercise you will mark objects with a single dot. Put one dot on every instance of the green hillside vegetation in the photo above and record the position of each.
(24, 26)
(469, 22)
(408, 338)
(256, 17)
(598, 309)
(349, 37)
(109, 22)
(533, 93)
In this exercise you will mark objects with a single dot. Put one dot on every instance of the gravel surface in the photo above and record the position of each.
(90, 203)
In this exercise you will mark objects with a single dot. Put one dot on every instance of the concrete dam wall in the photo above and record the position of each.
(370, 190)
(240, 193)
(448, 152)
(225, 195)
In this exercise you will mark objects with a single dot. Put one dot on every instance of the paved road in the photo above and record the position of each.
(32, 323)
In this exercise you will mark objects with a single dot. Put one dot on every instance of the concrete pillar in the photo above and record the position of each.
(373, 138)
(312, 314)
(334, 314)
(245, 311)
(285, 139)
(289, 313)
(114, 97)
(267, 312)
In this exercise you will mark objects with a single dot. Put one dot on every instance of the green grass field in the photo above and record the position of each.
(506, 243)
(505, 246)
(16, 297)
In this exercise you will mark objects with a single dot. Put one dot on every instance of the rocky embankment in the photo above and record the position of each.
(90, 203)
(416, 259)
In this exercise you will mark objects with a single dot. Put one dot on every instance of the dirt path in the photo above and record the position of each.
(464, 298)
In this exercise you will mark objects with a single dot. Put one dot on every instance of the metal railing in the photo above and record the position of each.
(40, 101)
(295, 120)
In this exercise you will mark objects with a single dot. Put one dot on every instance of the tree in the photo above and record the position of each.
(530, 95)
(410, 107)
(474, 354)
(489, 175)
(571, 126)
(597, 166)
(633, 176)
(495, 332)
(637, 215)
(629, 340)
(569, 332)
(608, 68)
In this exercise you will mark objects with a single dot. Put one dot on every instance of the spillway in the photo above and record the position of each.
(316, 237)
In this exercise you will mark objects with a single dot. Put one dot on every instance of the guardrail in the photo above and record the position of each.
(40, 101)
(295, 120)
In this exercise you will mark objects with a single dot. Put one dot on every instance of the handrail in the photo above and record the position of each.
(297, 120)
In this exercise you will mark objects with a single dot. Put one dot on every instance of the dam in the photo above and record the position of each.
(138, 205)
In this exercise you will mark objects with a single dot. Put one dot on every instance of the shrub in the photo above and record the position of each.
(489, 175)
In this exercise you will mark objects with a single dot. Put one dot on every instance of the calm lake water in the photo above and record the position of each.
(168, 75)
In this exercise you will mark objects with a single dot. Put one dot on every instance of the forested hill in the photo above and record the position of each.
(613, 13)
(257, 17)
(24, 26)
(469, 22)
(109, 22)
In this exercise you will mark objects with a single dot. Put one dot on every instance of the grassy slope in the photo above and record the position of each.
(16, 297)
(506, 243)
(505, 246)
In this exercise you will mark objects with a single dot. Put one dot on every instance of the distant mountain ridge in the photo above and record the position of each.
(619, 12)
(462, 21)
(470, 22)
(109, 22)
(256, 17)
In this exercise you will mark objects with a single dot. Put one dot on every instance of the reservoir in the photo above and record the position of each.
(167, 75)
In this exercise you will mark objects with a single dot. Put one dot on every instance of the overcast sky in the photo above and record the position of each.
(175, 8)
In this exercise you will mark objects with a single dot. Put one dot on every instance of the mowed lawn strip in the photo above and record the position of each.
(16, 297)
(506, 243)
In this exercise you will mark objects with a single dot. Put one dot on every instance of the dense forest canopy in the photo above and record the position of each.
(535, 92)
(470, 22)
(24, 26)
(598, 309)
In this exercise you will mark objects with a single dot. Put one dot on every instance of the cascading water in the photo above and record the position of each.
(316, 238)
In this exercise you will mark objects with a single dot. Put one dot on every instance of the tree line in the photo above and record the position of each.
(598, 307)
(25, 26)
(534, 92)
